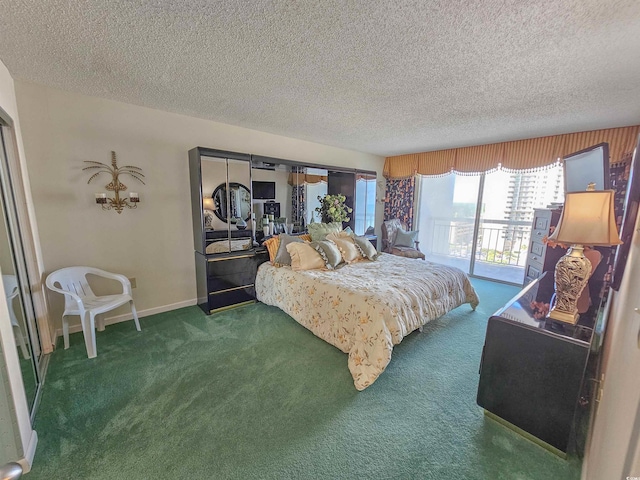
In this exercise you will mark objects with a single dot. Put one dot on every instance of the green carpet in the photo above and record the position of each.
(249, 394)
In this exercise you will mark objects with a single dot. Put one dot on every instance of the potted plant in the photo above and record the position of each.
(333, 209)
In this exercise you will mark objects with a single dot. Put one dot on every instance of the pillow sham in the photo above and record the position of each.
(273, 244)
(272, 247)
(366, 247)
(405, 239)
(283, 257)
(347, 246)
(329, 252)
(319, 231)
(304, 257)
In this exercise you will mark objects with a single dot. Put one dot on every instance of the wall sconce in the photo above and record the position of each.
(116, 202)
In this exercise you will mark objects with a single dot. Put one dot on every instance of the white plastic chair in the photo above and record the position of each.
(10, 283)
(80, 300)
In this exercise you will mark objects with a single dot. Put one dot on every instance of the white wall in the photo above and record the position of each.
(616, 417)
(154, 243)
(15, 398)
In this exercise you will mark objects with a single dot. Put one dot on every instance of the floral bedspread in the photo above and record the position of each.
(366, 308)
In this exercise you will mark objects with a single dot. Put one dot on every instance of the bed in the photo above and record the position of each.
(222, 246)
(366, 308)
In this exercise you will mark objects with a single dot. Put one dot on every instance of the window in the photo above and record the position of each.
(365, 203)
(490, 241)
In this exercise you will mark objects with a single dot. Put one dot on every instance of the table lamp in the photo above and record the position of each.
(588, 218)
(208, 207)
(207, 203)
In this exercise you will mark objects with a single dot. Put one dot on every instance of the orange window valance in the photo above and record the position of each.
(297, 179)
(517, 155)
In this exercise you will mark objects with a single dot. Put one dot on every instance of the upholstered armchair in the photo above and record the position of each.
(389, 233)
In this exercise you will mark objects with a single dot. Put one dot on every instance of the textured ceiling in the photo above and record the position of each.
(385, 77)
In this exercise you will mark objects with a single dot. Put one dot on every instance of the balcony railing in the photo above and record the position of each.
(501, 242)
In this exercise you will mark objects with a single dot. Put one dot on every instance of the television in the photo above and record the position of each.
(590, 165)
(264, 190)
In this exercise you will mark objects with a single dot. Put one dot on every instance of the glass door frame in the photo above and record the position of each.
(476, 229)
(476, 233)
(8, 184)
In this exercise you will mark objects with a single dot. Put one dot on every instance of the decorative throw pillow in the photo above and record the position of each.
(273, 244)
(304, 257)
(319, 231)
(329, 252)
(405, 239)
(368, 250)
(283, 257)
(272, 247)
(347, 246)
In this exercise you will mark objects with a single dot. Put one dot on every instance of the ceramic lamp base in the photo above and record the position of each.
(571, 276)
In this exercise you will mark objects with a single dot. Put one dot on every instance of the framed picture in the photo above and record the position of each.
(631, 202)
(590, 165)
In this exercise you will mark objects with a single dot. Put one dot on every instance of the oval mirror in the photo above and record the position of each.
(239, 202)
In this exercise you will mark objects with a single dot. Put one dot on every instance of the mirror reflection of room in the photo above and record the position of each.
(215, 193)
(213, 174)
(239, 209)
(225, 211)
(307, 183)
(16, 312)
(271, 196)
(365, 210)
(315, 183)
(288, 196)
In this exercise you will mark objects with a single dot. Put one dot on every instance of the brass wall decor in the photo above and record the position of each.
(116, 203)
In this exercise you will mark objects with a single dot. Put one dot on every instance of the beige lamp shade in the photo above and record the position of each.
(207, 203)
(588, 218)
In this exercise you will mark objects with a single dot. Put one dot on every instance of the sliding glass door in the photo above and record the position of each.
(446, 218)
(15, 277)
(503, 229)
(482, 223)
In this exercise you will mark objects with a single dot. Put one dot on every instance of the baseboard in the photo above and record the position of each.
(527, 435)
(128, 316)
(29, 455)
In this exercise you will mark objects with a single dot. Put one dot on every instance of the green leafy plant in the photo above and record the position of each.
(333, 209)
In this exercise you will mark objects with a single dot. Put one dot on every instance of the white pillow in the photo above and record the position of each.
(304, 257)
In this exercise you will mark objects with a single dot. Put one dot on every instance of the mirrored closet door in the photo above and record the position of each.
(15, 278)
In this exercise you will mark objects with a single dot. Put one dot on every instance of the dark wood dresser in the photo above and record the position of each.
(540, 257)
(532, 372)
(225, 276)
(224, 281)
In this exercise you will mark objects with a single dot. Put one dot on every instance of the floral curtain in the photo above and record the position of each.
(619, 174)
(398, 200)
(298, 199)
